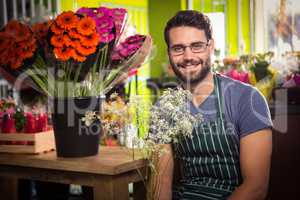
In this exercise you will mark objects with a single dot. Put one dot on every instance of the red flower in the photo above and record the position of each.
(30, 126)
(40, 30)
(17, 44)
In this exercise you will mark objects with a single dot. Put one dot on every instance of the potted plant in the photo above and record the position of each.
(75, 59)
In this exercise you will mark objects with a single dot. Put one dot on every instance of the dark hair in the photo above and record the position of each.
(190, 18)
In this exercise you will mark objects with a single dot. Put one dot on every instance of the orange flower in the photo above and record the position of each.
(57, 40)
(74, 34)
(78, 57)
(67, 40)
(73, 44)
(64, 53)
(85, 51)
(56, 29)
(67, 20)
(86, 26)
(91, 40)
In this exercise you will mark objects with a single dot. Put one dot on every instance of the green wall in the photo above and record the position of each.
(232, 27)
(159, 13)
(245, 9)
(209, 6)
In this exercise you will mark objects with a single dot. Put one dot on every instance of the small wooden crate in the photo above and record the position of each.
(41, 142)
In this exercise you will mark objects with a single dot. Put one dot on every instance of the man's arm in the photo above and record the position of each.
(162, 178)
(255, 161)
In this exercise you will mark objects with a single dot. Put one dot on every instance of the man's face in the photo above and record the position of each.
(189, 53)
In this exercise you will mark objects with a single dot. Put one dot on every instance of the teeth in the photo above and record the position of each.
(189, 66)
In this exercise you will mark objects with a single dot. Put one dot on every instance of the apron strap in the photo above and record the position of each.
(218, 93)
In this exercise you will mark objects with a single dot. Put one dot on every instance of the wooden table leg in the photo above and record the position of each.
(111, 190)
(139, 190)
(9, 188)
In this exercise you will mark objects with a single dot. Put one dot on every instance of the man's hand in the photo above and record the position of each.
(255, 161)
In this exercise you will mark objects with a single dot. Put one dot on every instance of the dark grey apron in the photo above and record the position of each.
(210, 159)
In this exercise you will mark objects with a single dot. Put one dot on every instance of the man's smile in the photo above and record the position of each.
(189, 68)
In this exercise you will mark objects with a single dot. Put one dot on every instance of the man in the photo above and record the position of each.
(229, 155)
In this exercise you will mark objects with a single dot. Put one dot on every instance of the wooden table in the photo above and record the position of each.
(109, 173)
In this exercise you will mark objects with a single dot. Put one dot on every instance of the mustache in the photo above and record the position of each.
(186, 63)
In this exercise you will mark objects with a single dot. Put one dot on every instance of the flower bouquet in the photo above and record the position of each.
(262, 75)
(171, 120)
(236, 69)
(74, 59)
(288, 68)
(115, 117)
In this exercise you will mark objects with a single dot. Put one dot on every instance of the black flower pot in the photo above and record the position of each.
(72, 137)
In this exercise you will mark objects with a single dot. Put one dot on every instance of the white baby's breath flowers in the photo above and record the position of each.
(89, 118)
(171, 117)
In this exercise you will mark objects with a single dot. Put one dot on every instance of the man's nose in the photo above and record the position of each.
(187, 54)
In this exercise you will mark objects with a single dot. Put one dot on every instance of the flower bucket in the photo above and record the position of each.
(72, 137)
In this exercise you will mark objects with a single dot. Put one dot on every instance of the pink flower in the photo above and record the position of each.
(244, 77)
(132, 48)
(104, 23)
(118, 13)
(115, 56)
(106, 37)
(290, 83)
(240, 76)
(103, 12)
(124, 52)
(297, 79)
(132, 72)
(86, 12)
(134, 39)
(127, 48)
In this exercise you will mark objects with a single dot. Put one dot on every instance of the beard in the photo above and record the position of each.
(196, 78)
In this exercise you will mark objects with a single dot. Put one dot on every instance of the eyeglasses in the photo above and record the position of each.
(197, 47)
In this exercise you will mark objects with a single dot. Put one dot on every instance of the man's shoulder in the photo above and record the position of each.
(235, 86)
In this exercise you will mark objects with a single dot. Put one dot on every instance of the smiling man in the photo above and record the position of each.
(228, 156)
